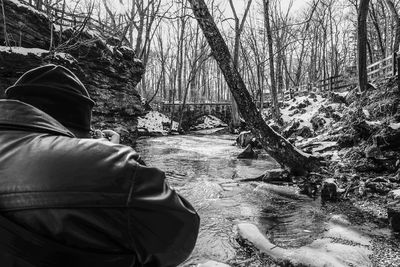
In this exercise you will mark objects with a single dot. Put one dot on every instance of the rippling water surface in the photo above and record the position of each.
(205, 170)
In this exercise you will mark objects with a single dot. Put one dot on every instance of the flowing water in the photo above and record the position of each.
(205, 170)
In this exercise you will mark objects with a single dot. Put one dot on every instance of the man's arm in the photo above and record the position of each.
(163, 226)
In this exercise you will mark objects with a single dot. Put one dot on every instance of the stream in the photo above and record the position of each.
(204, 169)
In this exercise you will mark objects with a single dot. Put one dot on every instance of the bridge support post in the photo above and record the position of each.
(398, 72)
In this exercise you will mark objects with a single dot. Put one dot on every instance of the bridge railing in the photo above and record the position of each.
(203, 107)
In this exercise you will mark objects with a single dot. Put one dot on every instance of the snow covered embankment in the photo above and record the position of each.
(155, 123)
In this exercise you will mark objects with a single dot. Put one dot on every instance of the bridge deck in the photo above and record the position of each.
(200, 104)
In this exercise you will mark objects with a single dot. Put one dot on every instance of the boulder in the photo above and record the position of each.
(362, 190)
(346, 140)
(394, 217)
(248, 153)
(317, 122)
(312, 95)
(395, 178)
(336, 98)
(368, 165)
(305, 132)
(373, 152)
(303, 104)
(364, 129)
(291, 128)
(309, 188)
(329, 112)
(393, 209)
(275, 175)
(336, 116)
(389, 137)
(378, 185)
(244, 138)
(329, 190)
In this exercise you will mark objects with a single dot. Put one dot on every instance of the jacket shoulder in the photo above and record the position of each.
(58, 163)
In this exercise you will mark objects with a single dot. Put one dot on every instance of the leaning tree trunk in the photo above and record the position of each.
(362, 44)
(275, 145)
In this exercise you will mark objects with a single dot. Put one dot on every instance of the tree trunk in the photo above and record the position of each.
(277, 146)
(5, 25)
(274, 95)
(180, 54)
(238, 31)
(378, 31)
(362, 44)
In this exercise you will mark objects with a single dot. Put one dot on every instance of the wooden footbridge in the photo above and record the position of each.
(193, 111)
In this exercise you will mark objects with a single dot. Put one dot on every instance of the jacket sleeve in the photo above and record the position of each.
(163, 226)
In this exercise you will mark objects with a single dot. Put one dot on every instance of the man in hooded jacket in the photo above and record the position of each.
(70, 200)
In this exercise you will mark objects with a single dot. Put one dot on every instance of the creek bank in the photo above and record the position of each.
(358, 135)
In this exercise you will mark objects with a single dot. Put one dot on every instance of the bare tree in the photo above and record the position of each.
(238, 31)
(7, 43)
(274, 95)
(362, 44)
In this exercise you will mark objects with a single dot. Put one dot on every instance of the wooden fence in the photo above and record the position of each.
(73, 20)
(335, 83)
(383, 68)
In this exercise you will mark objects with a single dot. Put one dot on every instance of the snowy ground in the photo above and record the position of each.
(155, 123)
(320, 115)
(22, 50)
(208, 122)
(37, 51)
(289, 113)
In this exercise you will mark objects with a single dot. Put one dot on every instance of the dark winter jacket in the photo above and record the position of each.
(66, 201)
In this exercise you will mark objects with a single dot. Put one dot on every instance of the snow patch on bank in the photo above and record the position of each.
(22, 50)
(155, 122)
(37, 52)
(311, 110)
(395, 126)
(209, 122)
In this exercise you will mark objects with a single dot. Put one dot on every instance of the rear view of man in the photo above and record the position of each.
(69, 200)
